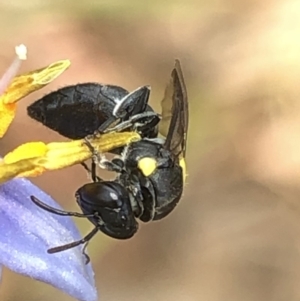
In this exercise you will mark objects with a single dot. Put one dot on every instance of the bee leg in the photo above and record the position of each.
(109, 165)
(92, 171)
(101, 161)
(129, 109)
(107, 126)
(145, 119)
(87, 257)
(133, 103)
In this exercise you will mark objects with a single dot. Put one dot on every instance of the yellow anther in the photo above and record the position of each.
(21, 52)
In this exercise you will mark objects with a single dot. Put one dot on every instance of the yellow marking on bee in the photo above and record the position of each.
(183, 166)
(147, 166)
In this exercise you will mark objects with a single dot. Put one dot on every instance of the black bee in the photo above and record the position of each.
(150, 175)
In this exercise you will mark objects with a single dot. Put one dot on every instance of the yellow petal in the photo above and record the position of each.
(7, 111)
(7, 114)
(26, 151)
(57, 155)
(27, 83)
(23, 85)
(10, 171)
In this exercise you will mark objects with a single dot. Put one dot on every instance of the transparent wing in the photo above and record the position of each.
(175, 113)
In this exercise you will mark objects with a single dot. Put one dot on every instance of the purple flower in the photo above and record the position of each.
(27, 232)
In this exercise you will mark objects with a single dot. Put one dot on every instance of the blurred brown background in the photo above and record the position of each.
(235, 235)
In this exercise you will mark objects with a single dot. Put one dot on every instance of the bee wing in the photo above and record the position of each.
(175, 113)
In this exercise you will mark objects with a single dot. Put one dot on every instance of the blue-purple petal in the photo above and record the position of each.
(27, 231)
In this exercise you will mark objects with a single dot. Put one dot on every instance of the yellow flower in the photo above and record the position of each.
(33, 158)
